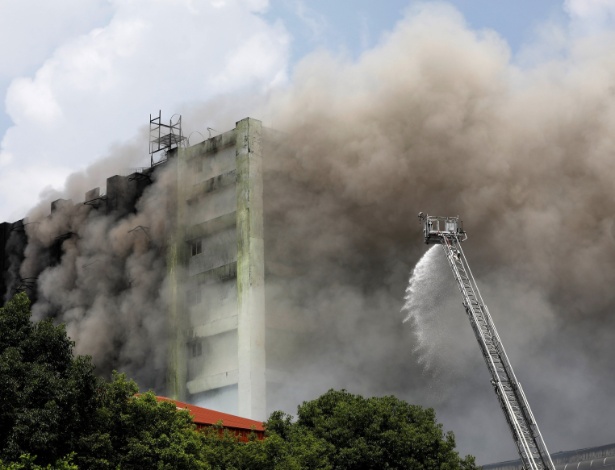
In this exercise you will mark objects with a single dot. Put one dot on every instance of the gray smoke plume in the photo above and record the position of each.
(437, 119)
(103, 272)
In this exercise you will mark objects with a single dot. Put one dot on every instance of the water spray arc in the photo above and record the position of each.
(449, 233)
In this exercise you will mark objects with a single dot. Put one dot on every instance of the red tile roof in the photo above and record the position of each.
(207, 417)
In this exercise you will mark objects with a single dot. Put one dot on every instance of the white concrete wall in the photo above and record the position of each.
(226, 327)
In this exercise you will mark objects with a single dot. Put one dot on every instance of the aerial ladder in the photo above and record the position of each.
(448, 232)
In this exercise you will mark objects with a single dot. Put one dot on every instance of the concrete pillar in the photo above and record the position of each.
(176, 261)
(250, 271)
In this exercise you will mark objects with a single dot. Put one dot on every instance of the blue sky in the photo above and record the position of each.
(351, 29)
(75, 85)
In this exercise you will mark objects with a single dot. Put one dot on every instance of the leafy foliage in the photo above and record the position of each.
(222, 451)
(135, 432)
(371, 433)
(54, 411)
(46, 396)
(27, 462)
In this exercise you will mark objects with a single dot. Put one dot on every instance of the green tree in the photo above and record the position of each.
(46, 397)
(372, 433)
(27, 462)
(303, 448)
(54, 411)
(297, 450)
(133, 432)
(158, 435)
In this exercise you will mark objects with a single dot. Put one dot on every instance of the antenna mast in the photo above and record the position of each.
(164, 136)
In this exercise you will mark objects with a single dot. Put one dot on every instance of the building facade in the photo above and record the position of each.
(218, 355)
(213, 251)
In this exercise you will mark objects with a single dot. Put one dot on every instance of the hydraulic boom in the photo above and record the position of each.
(448, 232)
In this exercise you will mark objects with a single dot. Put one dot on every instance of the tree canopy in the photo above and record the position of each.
(46, 395)
(55, 413)
(372, 433)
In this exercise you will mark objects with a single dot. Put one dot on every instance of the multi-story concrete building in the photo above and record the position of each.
(219, 349)
(214, 260)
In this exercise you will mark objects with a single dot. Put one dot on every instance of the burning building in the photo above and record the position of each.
(174, 255)
(440, 122)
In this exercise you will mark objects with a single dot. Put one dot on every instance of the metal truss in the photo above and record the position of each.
(448, 232)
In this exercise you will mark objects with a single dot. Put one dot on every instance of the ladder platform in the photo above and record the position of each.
(435, 228)
(448, 232)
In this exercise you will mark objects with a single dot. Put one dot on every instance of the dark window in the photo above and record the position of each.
(196, 247)
(196, 348)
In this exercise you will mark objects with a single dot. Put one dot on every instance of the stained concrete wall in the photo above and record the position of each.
(250, 270)
(224, 285)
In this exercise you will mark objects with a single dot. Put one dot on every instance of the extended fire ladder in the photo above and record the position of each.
(448, 232)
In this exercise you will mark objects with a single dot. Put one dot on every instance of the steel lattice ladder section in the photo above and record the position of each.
(532, 449)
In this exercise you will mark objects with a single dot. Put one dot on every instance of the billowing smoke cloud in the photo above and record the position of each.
(101, 270)
(434, 119)
(438, 119)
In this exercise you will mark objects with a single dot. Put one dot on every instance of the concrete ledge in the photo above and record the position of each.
(222, 273)
(211, 226)
(212, 184)
(213, 145)
(216, 327)
(203, 384)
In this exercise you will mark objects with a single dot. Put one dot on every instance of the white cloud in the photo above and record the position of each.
(99, 87)
(590, 8)
(586, 29)
(32, 100)
(591, 16)
(19, 182)
(31, 29)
